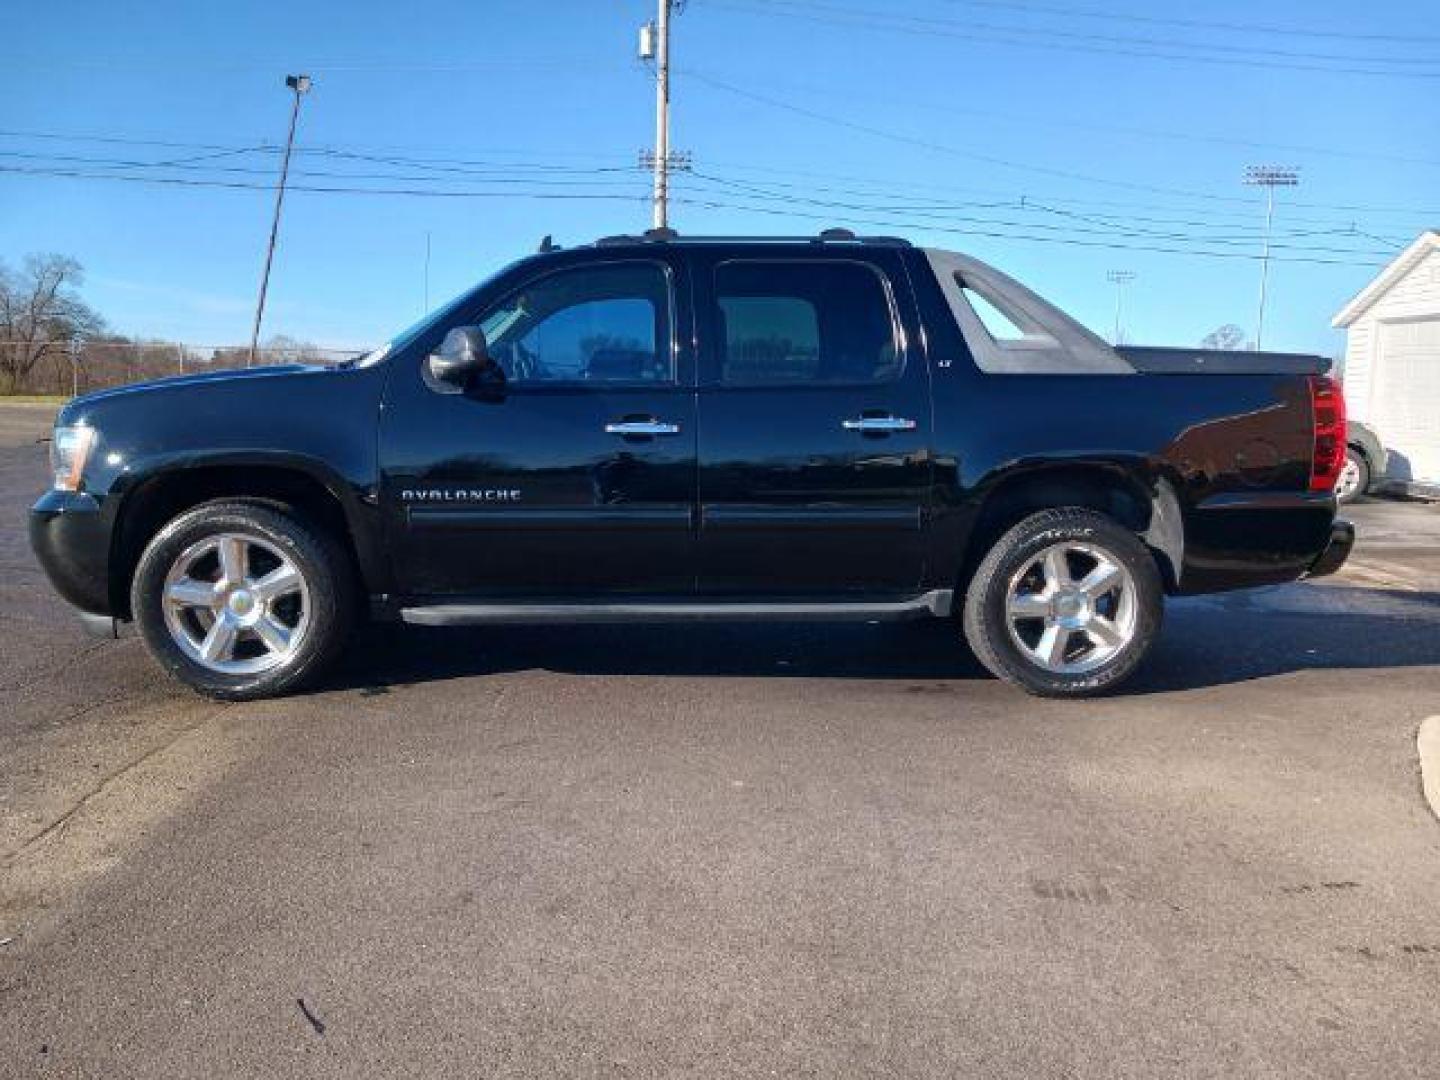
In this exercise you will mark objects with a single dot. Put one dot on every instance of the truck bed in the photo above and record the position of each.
(1161, 360)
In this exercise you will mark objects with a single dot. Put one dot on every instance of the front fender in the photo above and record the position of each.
(131, 492)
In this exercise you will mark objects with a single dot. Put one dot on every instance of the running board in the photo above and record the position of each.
(934, 603)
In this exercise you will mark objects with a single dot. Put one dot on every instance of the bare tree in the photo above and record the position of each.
(1228, 337)
(40, 314)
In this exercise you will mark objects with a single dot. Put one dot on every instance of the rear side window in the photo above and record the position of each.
(803, 322)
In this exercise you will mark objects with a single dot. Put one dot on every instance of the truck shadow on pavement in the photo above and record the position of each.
(1206, 641)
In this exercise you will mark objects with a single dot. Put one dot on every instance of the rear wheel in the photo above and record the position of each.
(1066, 604)
(1354, 478)
(241, 600)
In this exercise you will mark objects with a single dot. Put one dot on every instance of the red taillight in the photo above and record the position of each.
(1327, 403)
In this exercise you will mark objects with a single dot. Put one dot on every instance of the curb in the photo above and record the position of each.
(1428, 744)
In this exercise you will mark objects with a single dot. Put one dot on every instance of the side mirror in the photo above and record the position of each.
(461, 358)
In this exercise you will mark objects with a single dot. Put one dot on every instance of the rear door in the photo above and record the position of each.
(813, 448)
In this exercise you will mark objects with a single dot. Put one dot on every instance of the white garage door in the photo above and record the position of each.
(1407, 398)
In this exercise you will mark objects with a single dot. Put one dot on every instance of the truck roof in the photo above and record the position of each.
(670, 236)
(1047, 342)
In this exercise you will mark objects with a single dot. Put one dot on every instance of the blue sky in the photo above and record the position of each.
(1053, 138)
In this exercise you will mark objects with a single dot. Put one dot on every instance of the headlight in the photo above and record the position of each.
(69, 450)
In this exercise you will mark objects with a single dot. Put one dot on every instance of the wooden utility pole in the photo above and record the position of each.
(300, 84)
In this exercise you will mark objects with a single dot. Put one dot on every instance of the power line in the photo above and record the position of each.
(887, 186)
(1048, 120)
(382, 66)
(1190, 43)
(1024, 203)
(1060, 240)
(774, 190)
(943, 148)
(949, 213)
(1066, 124)
(917, 217)
(1022, 37)
(179, 181)
(266, 147)
(453, 175)
(938, 211)
(462, 166)
(1191, 24)
(788, 207)
(988, 159)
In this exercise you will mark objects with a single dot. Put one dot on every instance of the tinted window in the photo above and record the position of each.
(789, 322)
(593, 324)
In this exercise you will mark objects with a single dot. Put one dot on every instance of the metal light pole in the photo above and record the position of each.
(300, 84)
(1119, 278)
(1269, 177)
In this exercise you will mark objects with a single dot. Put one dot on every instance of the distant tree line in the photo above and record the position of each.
(53, 342)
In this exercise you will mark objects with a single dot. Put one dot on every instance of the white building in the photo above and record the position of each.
(1392, 361)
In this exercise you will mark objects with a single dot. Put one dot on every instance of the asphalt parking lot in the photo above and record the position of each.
(780, 851)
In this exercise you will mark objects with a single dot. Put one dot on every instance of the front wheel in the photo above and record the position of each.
(240, 600)
(1066, 604)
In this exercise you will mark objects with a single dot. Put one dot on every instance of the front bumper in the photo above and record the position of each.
(70, 534)
(1342, 539)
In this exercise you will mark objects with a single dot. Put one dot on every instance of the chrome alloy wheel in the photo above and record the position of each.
(1071, 608)
(235, 604)
(1348, 484)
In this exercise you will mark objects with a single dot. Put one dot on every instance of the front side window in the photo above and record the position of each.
(804, 322)
(601, 324)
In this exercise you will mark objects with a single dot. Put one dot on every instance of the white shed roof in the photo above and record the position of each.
(1425, 243)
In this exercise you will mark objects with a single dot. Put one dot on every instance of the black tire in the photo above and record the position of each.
(986, 621)
(319, 557)
(1356, 457)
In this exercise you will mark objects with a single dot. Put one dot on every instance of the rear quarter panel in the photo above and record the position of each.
(1233, 449)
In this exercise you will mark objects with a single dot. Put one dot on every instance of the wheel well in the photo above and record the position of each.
(163, 498)
(1107, 491)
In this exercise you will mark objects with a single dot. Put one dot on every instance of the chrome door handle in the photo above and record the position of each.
(878, 424)
(641, 427)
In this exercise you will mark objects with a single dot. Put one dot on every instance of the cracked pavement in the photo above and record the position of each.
(749, 851)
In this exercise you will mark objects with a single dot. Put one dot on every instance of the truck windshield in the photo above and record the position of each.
(410, 333)
(414, 330)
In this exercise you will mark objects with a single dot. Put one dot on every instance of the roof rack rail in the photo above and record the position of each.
(827, 236)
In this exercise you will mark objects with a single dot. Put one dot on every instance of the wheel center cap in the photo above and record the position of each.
(241, 602)
(1071, 609)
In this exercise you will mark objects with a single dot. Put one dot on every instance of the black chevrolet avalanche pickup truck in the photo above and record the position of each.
(662, 428)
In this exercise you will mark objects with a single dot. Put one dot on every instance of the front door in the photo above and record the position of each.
(576, 475)
(814, 427)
